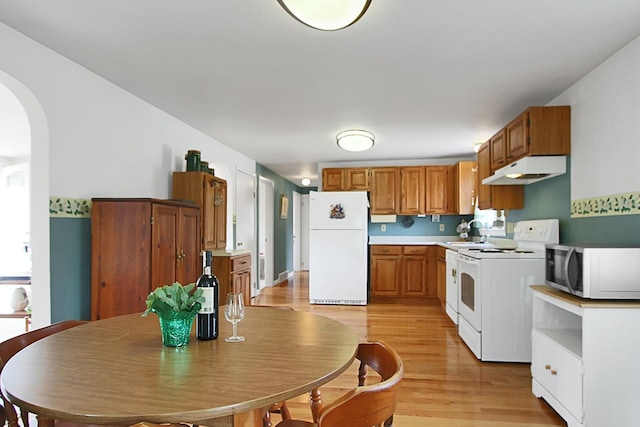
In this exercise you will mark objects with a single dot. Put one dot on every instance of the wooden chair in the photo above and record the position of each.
(280, 407)
(13, 345)
(365, 405)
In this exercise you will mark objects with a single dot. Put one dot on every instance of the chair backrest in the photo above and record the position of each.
(13, 345)
(368, 405)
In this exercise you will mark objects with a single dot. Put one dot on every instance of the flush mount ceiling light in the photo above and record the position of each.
(326, 15)
(476, 146)
(306, 181)
(355, 140)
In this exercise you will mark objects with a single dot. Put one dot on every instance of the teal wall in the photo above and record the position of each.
(71, 237)
(282, 228)
(421, 226)
(551, 198)
(70, 240)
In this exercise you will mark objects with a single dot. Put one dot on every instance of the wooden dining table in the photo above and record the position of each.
(116, 370)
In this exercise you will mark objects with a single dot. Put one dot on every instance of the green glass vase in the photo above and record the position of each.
(175, 326)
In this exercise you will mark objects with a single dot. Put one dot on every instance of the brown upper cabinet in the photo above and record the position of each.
(345, 179)
(410, 190)
(462, 184)
(385, 190)
(413, 184)
(210, 193)
(495, 196)
(498, 150)
(436, 194)
(537, 131)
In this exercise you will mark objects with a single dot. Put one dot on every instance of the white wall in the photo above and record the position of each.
(92, 139)
(120, 144)
(605, 126)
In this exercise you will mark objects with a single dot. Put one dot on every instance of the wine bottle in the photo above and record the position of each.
(207, 322)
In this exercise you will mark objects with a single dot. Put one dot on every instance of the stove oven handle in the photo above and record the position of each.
(467, 259)
(571, 279)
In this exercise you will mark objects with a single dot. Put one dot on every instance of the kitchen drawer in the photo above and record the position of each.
(558, 371)
(415, 250)
(240, 263)
(386, 250)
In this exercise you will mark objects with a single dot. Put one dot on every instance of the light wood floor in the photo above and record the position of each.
(444, 384)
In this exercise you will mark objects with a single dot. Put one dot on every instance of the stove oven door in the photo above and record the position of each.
(470, 303)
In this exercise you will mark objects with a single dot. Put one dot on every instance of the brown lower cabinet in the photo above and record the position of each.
(233, 271)
(402, 272)
(138, 245)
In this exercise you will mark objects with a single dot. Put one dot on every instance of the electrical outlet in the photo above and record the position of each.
(441, 227)
(510, 227)
(383, 227)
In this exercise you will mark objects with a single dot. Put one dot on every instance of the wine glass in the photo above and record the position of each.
(234, 312)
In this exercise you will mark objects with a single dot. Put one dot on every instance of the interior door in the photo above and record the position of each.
(246, 217)
(265, 233)
(296, 231)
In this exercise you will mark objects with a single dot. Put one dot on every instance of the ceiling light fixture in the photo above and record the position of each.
(355, 140)
(326, 15)
(476, 146)
(306, 181)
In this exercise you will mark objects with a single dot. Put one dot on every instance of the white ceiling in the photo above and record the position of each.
(428, 78)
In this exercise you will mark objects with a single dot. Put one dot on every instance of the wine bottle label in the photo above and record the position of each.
(207, 305)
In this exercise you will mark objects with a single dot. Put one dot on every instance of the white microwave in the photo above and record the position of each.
(595, 272)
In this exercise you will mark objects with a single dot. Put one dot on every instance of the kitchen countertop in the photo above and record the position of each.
(230, 252)
(443, 241)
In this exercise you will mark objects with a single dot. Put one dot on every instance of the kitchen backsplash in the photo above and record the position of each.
(422, 226)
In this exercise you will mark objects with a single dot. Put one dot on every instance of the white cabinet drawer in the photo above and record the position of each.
(558, 371)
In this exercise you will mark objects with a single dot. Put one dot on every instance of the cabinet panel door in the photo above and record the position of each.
(484, 170)
(436, 200)
(189, 265)
(385, 277)
(467, 187)
(120, 258)
(208, 214)
(333, 179)
(220, 213)
(559, 371)
(415, 275)
(498, 151)
(164, 245)
(385, 189)
(241, 282)
(412, 195)
(357, 179)
(517, 138)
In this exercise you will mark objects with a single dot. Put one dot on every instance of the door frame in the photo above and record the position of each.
(266, 191)
(38, 199)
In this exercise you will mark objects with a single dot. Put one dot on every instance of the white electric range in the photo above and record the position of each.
(495, 301)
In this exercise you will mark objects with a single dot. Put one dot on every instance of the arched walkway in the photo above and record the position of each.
(39, 224)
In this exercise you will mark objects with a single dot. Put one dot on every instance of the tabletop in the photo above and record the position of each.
(116, 370)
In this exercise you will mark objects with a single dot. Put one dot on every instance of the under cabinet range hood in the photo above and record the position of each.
(528, 170)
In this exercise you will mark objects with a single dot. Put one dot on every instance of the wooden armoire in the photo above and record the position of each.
(138, 245)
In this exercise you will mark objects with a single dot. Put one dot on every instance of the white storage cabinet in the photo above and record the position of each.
(586, 358)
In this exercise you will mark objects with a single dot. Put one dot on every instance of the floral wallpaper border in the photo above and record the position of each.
(617, 204)
(61, 207)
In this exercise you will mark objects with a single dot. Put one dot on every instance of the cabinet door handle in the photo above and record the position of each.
(554, 372)
(547, 367)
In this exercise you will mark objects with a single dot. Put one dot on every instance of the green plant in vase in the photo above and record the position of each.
(176, 307)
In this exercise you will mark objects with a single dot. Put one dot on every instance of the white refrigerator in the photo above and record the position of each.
(338, 263)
